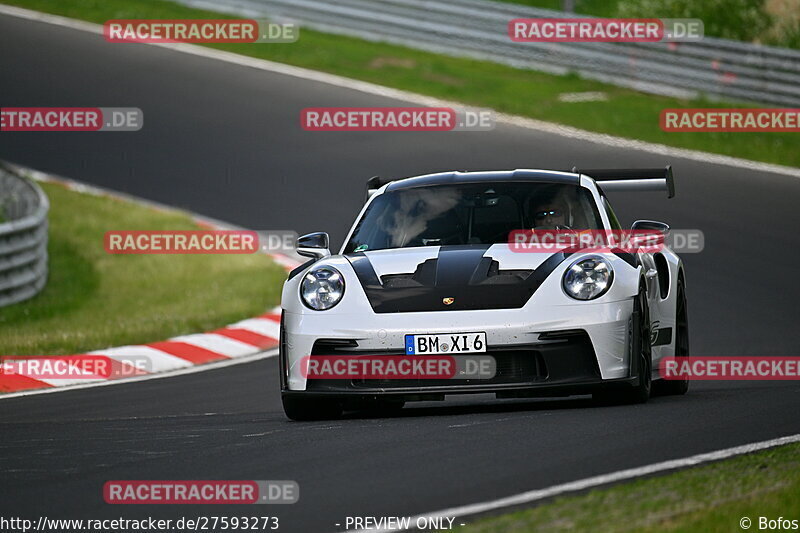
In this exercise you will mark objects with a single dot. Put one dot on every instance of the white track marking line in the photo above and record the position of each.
(172, 373)
(604, 479)
(397, 94)
(66, 382)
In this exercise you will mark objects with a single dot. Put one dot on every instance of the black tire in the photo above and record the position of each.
(639, 344)
(301, 409)
(678, 387)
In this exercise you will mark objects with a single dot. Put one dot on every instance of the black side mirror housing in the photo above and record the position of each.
(314, 245)
(651, 225)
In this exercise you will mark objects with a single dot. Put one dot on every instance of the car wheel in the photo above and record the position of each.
(298, 408)
(641, 356)
(678, 386)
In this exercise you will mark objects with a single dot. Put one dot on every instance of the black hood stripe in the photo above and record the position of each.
(300, 268)
(458, 272)
(363, 268)
(458, 265)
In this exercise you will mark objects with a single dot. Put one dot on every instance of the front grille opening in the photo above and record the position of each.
(513, 366)
(332, 346)
(561, 335)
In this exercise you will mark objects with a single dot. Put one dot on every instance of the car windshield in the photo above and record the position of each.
(475, 213)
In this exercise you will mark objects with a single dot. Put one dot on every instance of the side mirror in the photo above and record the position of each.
(649, 234)
(650, 225)
(314, 245)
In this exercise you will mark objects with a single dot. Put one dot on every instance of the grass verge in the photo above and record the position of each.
(711, 498)
(95, 300)
(625, 113)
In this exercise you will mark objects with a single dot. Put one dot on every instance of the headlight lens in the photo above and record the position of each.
(588, 278)
(322, 288)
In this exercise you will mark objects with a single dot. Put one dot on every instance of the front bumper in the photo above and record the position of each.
(560, 350)
(438, 393)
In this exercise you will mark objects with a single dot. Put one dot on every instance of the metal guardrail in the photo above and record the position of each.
(23, 237)
(716, 68)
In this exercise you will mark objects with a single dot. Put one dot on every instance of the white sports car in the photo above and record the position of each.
(428, 269)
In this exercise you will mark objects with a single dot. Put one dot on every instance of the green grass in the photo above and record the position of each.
(626, 113)
(711, 498)
(95, 300)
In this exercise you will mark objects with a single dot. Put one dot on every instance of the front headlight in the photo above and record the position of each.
(588, 278)
(322, 288)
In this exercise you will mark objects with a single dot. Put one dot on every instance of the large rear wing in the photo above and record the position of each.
(632, 179)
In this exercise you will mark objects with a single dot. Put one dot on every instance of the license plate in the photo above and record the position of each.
(446, 343)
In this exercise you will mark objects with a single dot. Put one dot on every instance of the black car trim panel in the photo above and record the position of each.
(458, 272)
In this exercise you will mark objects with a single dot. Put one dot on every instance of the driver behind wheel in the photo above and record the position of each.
(549, 211)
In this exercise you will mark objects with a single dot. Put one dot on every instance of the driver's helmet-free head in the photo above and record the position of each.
(549, 210)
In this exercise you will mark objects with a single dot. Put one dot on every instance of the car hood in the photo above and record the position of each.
(406, 260)
(444, 278)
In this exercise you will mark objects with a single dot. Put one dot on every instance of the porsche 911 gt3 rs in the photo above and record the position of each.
(428, 268)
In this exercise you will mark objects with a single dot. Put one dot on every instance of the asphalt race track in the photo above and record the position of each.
(225, 141)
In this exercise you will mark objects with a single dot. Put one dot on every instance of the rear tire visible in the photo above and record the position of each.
(678, 386)
(304, 409)
(640, 349)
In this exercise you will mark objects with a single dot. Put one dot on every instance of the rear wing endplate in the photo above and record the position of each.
(632, 179)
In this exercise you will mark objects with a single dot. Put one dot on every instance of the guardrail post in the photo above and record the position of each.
(23, 237)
